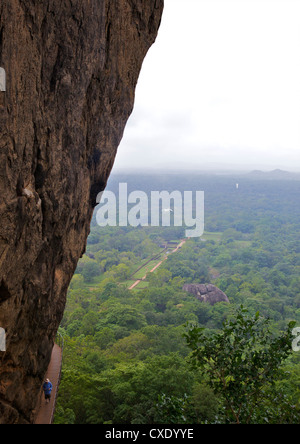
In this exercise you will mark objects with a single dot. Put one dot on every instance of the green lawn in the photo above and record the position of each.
(242, 244)
(212, 236)
(141, 286)
(141, 273)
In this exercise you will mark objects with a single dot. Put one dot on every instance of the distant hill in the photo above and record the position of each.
(273, 175)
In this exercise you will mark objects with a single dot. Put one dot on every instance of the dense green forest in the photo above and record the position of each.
(126, 357)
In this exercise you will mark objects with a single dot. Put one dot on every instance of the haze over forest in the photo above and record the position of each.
(219, 90)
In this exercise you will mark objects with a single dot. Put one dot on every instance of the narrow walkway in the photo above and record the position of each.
(46, 411)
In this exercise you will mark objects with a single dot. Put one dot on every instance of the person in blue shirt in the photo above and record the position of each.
(47, 387)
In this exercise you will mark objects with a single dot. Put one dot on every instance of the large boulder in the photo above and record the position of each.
(207, 293)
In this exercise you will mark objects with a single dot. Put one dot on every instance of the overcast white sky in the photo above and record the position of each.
(219, 89)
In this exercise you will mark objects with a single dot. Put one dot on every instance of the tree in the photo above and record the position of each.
(203, 406)
(159, 278)
(122, 316)
(90, 270)
(120, 272)
(77, 281)
(89, 323)
(241, 362)
(146, 248)
(170, 410)
(65, 417)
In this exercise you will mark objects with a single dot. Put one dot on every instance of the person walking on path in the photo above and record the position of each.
(47, 387)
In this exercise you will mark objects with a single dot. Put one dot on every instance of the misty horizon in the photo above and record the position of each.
(206, 169)
(214, 94)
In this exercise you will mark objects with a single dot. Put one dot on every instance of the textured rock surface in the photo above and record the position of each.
(72, 68)
(206, 293)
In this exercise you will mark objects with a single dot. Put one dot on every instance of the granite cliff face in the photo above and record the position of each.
(71, 72)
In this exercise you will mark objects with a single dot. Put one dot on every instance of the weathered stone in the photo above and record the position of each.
(206, 293)
(71, 72)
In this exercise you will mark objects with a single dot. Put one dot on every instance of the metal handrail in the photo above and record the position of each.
(59, 340)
